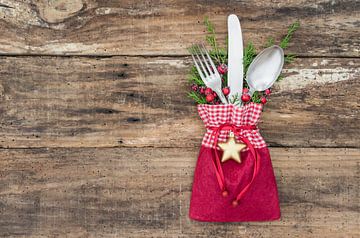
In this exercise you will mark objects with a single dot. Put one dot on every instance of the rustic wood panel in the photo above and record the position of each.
(136, 101)
(97, 27)
(137, 192)
(124, 86)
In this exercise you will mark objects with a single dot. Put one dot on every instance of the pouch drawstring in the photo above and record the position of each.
(217, 164)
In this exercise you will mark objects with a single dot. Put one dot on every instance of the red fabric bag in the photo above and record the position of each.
(232, 191)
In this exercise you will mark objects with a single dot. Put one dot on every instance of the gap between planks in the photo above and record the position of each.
(158, 56)
(166, 147)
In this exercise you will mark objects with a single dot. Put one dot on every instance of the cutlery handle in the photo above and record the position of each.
(222, 97)
(251, 91)
(235, 56)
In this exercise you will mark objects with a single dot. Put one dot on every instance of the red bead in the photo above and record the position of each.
(194, 87)
(210, 98)
(202, 90)
(222, 69)
(225, 193)
(208, 91)
(268, 91)
(245, 97)
(245, 90)
(226, 91)
(263, 100)
(235, 203)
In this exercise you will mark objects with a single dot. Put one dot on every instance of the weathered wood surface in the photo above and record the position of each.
(135, 101)
(80, 76)
(137, 192)
(90, 27)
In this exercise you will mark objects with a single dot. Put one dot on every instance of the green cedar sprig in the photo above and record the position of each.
(284, 43)
(218, 54)
(249, 55)
(197, 97)
(291, 30)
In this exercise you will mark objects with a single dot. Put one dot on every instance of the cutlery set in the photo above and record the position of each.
(260, 76)
(234, 179)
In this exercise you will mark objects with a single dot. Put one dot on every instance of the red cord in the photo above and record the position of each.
(217, 164)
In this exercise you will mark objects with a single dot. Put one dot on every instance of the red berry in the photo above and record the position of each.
(263, 100)
(208, 91)
(202, 90)
(222, 69)
(215, 95)
(268, 91)
(245, 97)
(210, 98)
(245, 90)
(226, 91)
(194, 87)
(217, 103)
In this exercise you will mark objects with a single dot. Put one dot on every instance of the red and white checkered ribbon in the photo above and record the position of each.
(214, 116)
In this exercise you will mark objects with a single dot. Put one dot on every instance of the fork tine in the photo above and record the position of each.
(203, 51)
(202, 65)
(198, 68)
(199, 61)
(208, 56)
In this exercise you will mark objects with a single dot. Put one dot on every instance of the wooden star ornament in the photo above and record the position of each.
(231, 149)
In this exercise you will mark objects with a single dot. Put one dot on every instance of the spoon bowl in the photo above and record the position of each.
(265, 69)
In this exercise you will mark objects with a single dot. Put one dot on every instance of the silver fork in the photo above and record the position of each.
(208, 73)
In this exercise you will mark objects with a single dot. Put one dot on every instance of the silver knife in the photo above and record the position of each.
(235, 58)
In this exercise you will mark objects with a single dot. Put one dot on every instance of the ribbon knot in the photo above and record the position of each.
(217, 164)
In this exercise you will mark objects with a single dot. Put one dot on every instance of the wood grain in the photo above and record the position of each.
(95, 27)
(98, 139)
(137, 192)
(137, 101)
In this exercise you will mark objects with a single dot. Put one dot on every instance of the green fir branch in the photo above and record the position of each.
(291, 30)
(219, 55)
(197, 97)
(235, 99)
(289, 58)
(193, 49)
(249, 55)
(269, 42)
(194, 77)
(256, 97)
(211, 38)
(281, 77)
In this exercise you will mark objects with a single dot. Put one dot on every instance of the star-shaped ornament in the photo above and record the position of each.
(231, 149)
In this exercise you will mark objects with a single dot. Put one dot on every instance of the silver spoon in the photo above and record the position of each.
(265, 69)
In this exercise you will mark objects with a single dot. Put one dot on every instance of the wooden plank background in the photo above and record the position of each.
(98, 139)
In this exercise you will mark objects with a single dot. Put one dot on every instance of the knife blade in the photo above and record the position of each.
(235, 57)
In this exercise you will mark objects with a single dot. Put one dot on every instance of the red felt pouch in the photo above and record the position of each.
(230, 191)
